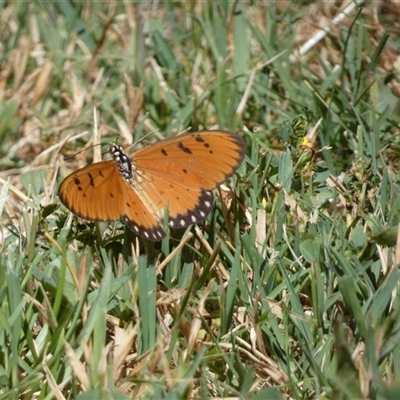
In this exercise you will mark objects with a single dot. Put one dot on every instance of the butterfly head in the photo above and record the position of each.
(123, 162)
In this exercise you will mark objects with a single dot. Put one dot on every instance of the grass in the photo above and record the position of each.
(289, 289)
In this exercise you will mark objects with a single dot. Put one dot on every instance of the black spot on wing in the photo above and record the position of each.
(184, 149)
(199, 139)
(91, 179)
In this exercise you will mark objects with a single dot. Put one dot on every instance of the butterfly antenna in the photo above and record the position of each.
(151, 133)
(140, 140)
(81, 151)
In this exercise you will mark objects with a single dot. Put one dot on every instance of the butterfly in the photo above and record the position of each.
(176, 174)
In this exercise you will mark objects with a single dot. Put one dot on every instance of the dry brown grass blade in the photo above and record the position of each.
(124, 340)
(77, 366)
(197, 321)
(42, 83)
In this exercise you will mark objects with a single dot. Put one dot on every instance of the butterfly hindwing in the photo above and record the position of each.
(139, 216)
(185, 206)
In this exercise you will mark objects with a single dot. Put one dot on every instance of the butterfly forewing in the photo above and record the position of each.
(201, 160)
(82, 191)
(98, 192)
(177, 173)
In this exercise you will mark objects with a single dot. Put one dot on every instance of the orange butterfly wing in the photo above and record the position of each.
(179, 172)
(98, 192)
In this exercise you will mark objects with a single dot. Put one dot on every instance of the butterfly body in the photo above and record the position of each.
(177, 173)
